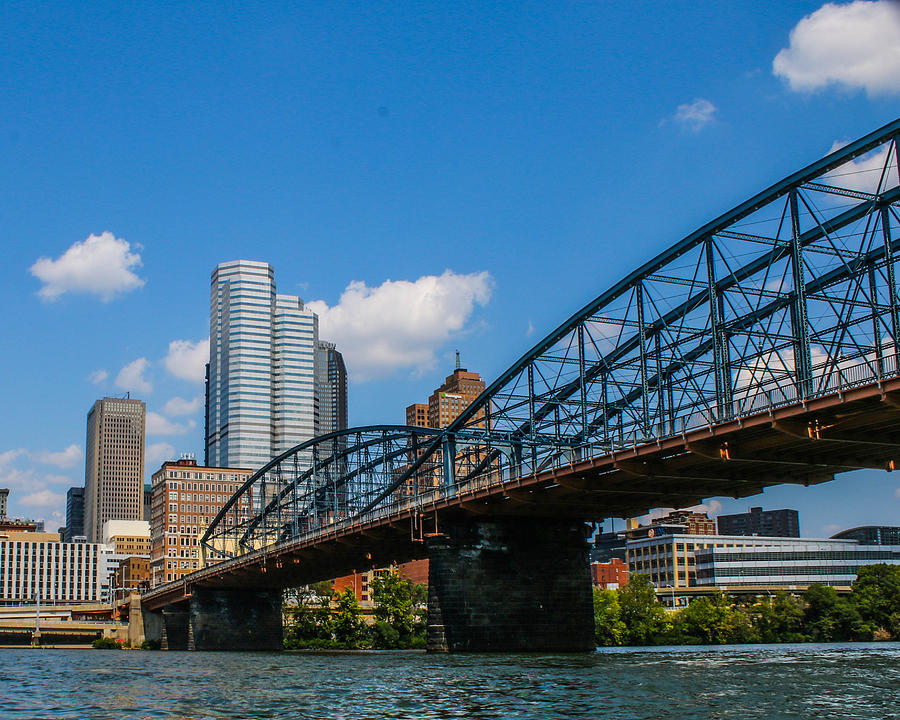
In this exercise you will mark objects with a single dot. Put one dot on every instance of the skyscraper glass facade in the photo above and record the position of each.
(331, 389)
(261, 393)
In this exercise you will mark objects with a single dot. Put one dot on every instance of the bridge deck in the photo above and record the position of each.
(804, 443)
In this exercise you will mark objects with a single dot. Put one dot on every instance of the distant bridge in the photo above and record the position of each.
(761, 349)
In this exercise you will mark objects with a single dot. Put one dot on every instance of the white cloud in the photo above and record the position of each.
(32, 491)
(131, 377)
(855, 45)
(180, 406)
(187, 360)
(7, 456)
(400, 324)
(696, 115)
(67, 458)
(710, 507)
(101, 265)
(42, 500)
(865, 172)
(159, 425)
(158, 453)
(530, 330)
(98, 376)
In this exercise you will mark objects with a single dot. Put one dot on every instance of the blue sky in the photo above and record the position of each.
(499, 163)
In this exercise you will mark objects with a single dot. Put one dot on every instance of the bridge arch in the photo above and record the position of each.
(787, 297)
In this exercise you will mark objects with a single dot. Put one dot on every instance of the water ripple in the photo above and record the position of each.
(770, 682)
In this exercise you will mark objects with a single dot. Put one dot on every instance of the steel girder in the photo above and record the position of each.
(789, 296)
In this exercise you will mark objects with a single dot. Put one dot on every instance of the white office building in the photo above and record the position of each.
(262, 390)
(37, 565)
(680, 561)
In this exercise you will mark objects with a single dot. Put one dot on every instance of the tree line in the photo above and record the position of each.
(315, 617)
(632, 615)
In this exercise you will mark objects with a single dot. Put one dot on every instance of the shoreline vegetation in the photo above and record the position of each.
(632, 616)
(312, 622)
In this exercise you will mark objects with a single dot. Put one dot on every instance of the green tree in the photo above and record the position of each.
(644, 617)
(714, 620)
(778, 619)
(307, 615)
(347, 625)
(828, 617)
(399, 610)
(608, 626)
(876, 595)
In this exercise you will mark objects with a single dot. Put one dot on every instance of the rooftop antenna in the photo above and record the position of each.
(458, 364)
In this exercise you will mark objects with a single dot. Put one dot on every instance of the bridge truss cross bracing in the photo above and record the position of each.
(788, 297)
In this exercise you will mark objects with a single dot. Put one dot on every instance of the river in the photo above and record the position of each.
(762, 681)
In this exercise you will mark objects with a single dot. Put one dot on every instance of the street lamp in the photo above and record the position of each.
(672, 588)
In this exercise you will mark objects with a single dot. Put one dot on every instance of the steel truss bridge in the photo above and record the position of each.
(760, 349)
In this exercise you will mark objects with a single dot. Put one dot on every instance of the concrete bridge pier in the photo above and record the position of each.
(511, 585)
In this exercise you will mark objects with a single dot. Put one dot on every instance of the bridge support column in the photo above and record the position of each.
(236, 619)
(153, 624)
(176, 629)
(515, 585)
(136, 632)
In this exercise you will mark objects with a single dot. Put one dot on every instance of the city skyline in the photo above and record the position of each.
(473, 188)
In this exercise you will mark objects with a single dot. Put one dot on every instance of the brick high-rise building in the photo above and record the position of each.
(458, 391)
(114, 464)
(456, 394)
(417, 415)
(185, 499)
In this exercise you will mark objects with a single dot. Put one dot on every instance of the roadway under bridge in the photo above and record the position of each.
(761, 349)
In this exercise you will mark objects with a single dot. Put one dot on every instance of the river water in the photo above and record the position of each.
(740, 682)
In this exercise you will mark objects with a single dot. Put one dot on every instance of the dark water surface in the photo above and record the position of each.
(740, 682)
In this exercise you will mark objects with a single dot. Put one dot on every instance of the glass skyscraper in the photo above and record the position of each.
(262, 390)
(331, 389)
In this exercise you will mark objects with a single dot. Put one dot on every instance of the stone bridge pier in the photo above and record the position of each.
(512, 585)
(219, 619)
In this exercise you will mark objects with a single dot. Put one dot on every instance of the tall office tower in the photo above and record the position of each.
(331, 389)
(261, 391)
(74, 513)
(295, 337)
(114, 464)
(4, 494)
